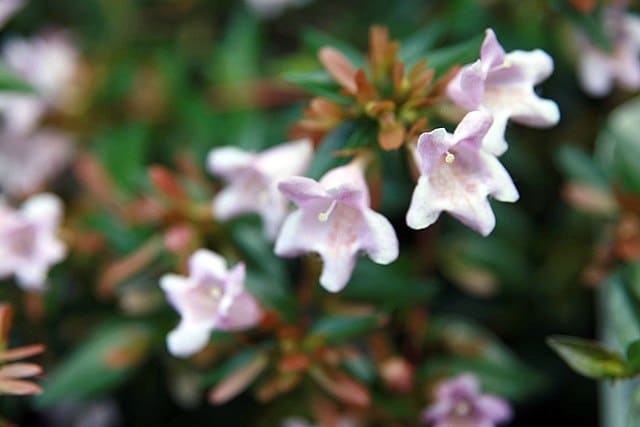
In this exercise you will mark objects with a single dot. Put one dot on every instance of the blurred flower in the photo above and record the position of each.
(502, 84)
(457, 175)
(8, 8)
(12, 375)
(395, 100)
(28, 241)
(253, 180)
(28, 160)
(334, 220)
(272, 8)
(460, 404)
(212, 297)
(46, 62)
(299, 422)
(599, 69)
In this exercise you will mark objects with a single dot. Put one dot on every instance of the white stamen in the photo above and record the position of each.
(215, 293)
(507, 63)
(449, 157)
(324, 216)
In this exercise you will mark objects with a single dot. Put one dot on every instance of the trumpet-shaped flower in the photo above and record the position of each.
(457, 175)
(503, 84)
(459, 403)
(253, 180)
(212, 297)
(598, 70)
(28, 241)
(334, 219)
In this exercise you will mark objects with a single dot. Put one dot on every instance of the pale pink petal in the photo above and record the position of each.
(473, 127)
(424, 209)
(233, 201)
(20, 112)
(20, 370)
(44, 208)
(439, 410)
(536, 65)
(187, 339)
(301, 189)
(226, 161)
(464, 385)
(244, 313)
(381, 243)
(204, 263)
(502, 187)
(285, 160)
(491, 53)
(467, 87)
(494, 408)
(348, 184)
(336, 271)
(494, 141)
(431, 148)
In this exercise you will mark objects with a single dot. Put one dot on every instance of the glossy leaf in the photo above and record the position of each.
(589, 358)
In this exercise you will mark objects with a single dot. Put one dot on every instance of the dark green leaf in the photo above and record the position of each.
(338, 329)
(633, 357)
(315, 40)
(580, 167)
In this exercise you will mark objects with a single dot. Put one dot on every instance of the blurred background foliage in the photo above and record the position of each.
(164, 81)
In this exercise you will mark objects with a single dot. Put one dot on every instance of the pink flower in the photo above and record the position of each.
(502, 84)
(253, 180)
(46, 62)
(28, 242)
(8, 8)
(460, 404)
(598, 70)
(28, 160)
(334, 220)
(457, 175)
(212, 297)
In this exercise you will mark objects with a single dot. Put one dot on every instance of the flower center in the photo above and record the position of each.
(449, 157)
(324, 216)
(462, 408)
(215, 293)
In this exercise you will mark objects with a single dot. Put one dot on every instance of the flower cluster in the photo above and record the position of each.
(30, 155)
(599, 69)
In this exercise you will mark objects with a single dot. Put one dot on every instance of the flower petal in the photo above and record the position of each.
(473, 127)
(336, 271)
(494, 141)
(187, 339)
(288, 243)
(491, 53)
(423, 210)
(381, 243)
(226, 161)
(243, 313)
(466, 89)
(494, 408)
(431, 147)
(301, 189)
(205, 263)
(285, 160)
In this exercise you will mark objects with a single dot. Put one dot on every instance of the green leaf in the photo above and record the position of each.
(98, 365)
(589, 358)
(318, 83)
(233, 364)
(633, 414)
(414, 47)
(623, 309)
(338, 329)
(459, 54)
(390, 286)
(10, 82)
(580, 167)
(633, 357)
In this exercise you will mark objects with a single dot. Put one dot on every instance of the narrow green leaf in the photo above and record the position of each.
(633, 357)
(589, 358)
(98, 365)
(580, 167)
(338, 329)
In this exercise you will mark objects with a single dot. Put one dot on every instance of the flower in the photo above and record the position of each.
(253, 180)
(599, 69)
(460, 404)
(334, 220)
(502, 84)
(212, 297)
(8, 8)
(457, 175)
(28, 241)
(47, 63)
(28, 160)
